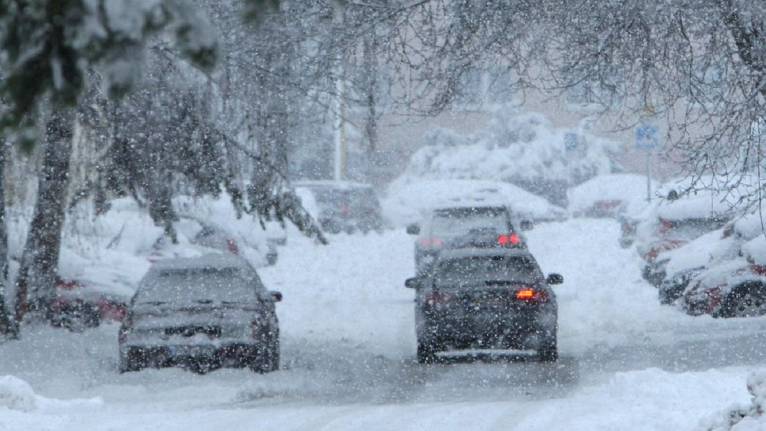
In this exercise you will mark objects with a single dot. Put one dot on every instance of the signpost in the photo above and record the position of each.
(570, 141)
(647, 139)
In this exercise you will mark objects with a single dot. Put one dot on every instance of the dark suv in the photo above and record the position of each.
(464, 227)
(485, 299)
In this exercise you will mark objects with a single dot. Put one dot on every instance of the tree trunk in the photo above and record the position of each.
(36, 282)
(7, 326)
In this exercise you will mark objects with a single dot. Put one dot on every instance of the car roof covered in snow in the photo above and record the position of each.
(483, 252)
(331, 184)
(212, 261)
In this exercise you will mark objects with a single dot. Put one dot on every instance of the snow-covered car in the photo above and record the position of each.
(673, 270)
(611, 195)
(676, 219)
(735, 288)
(449, 228)
(410, 202)
(341, 206)
(485, 299)
(204, 313)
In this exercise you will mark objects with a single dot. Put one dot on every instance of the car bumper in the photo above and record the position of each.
(520, 331)
(233, 354)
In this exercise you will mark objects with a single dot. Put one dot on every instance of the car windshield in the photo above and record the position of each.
(198, 285)
(485, 270)
(460, 221)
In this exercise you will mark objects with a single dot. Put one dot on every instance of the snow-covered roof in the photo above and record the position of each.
(330, 183)
(213, 261)
(483, 252)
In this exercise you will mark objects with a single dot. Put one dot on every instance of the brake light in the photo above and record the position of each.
(431, 242)
(530, 294)
(231, 245)
(437, 298)
(122, 336)
(507, 240)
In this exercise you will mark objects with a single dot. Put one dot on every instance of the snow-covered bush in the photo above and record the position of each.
(743, 417)
(523, 148)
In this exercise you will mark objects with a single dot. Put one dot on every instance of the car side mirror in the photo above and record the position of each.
(276, 296)
(413, 229)
(526, 225)
(412, 283)
(554, 279)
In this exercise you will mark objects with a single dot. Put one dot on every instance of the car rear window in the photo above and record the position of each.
(458, 221)
(198, 285)
(483, 269)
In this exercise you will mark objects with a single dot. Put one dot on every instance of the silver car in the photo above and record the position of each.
(201, 313)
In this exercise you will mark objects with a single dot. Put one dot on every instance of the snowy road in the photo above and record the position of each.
(348, 347)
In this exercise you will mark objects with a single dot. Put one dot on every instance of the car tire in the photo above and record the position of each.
(426, 353)
(133, 360)
(746, 300)
(548, 350)
(267, 360)
(202, 365)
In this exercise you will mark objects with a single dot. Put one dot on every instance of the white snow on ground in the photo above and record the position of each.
(348, 346)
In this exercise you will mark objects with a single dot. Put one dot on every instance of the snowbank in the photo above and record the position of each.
(743, 417)
(18, 395)
(408, 199)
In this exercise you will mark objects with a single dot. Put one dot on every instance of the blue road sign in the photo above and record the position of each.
(570, 141)
(647, 137)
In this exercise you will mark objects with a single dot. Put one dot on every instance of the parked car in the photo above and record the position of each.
(485, 299)
(480, 226)
(341, 206)
(734, 287)
(674, 218)
(203, 313)
(610, 196)
(78, 305)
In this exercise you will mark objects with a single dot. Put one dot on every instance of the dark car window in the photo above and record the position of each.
(189, 286)
(481, 269)
(458, 221)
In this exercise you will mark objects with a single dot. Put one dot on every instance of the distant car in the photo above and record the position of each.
(78, 305)
(678, 218)
(341, 206)
(216, 237)
(485, 299)
(611, 195)
(203, 313)
(458, 227)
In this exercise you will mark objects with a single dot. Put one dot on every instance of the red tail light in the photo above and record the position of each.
(529, 295)
(437, 298)
(231, 245)
(431, 242)
(509, 240)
